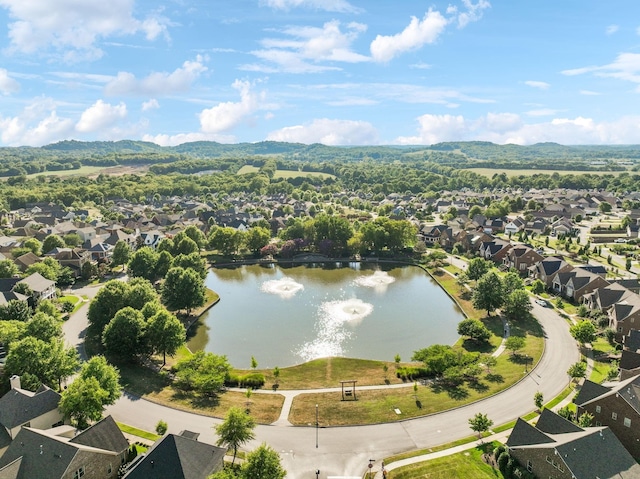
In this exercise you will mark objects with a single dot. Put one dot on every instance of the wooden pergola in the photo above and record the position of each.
(349, 390)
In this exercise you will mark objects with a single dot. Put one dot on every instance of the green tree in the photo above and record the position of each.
(517, 304)
(477, 268)
(488, 294)
(263, 463)
(202, 372)
(33, 245)
(104, 306)
(225, 239)
(515, 344)
(8, 269)
(538, 400)
(72, 240)
(164, 334)
(15, 310)
(185, 245)
(83, 401)
(142, 263)
(196, 235)
(512, 282)
(254, 363)
(47, 270)
(140, 292)
(108, 378)
(183, 289)
(52, 242)
(474, 329)
(124, 334)
(257, 237)
(235, 430)
(585, 419)
(161, 427)
(193, 261)
(537, 287)
(577, 370)
(276, 373)
(583, 331)
(163, 264)
(480, 423)
(121, 254)
(88, 271)
(44, 327)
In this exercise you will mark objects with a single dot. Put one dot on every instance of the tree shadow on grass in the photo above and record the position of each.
(197, 401)
(454, 392)
(466, 295)
(494, 378)
(526, 324)
(474, 346)
(478, 386)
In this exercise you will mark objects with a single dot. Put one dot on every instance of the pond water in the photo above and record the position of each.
(288, 315)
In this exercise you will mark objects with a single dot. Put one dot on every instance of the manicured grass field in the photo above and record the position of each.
(138, 432)
(464, 465)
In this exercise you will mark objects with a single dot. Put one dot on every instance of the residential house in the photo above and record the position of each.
(26, 260)
(548, 268)
(630, 359)
(630, 284)
(577, 282)
(86, 233)
(57, 453)
(151, 238)
(431, 234)
(177, 457)
(495, 250)
(74, 258)
(558, 449)
(625, 316)
(41, 287)
(521, 258)
(514, 226)
(602, 299)
(20, 407)
(616, 406)
(563, 226)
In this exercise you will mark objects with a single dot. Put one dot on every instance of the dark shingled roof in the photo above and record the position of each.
(589, 391)
(629, 360)
(178, 457)
(104, 434)
(552, 423)
(19, 406)
(524, 434)
(632, 340)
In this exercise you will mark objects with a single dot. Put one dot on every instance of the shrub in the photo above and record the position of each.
(251, 380)
(161, 427)
(408, 373)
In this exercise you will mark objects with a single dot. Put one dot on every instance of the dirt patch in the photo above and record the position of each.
(121, 170)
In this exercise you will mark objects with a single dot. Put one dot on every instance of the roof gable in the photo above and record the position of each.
(552, 423)
(524, 434)
(104, 434)
(19, 406)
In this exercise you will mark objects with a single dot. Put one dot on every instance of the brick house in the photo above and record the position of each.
(558, 449)
(521, 258)
(615, 406)
(548, 268)
(625, 316)
(576, 283)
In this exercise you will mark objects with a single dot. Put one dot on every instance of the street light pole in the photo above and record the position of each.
(317, 473)
(317, 424)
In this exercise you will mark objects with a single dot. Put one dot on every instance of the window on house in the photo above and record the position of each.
(598, 409)
(548, 459)
(614, 416)
(598, 423)
(627, 422)
(529, 466)
(79, 473)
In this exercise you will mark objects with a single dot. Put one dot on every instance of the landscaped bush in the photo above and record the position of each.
(251, 380)
(408, 373)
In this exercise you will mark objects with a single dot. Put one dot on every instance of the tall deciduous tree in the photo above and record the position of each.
(108, 377)
(517, 304)
(487, 294)
(183, 289)
(477, 268)
(8, 269)
(474, 329)
(514, 344)
(584, 331)
(202, 372)
(44, 327)
(121, 254)
(480, 423)
(124, 334)
(142, 263)
(83, 401)
(51, 242)
(235, 430)
(263, 463)
(165, 334)
(257, 237)
(193, 261)
(106, 303)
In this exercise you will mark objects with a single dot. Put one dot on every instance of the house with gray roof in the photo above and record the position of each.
(58, 453)
(177, 457)
(20, 407)
(616, 406)
(556, 448)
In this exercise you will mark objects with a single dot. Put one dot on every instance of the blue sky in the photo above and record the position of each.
(338, 72)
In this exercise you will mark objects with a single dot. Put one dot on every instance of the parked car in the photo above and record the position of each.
(620, 240)
(541, 302)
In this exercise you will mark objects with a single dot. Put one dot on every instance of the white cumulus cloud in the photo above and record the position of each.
(226, 115)
(341, 6)
(180, 138)
(473, 12)
(537, 84)
(305, 49)
(150, 105)
(328, 132)
(505, 128)
(418, 33)
(625, 67)
(100, 116)
(158, 83)
(73, 27)
(7, 84)
(38, 124)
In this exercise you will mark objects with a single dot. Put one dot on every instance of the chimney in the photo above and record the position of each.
(15, 382)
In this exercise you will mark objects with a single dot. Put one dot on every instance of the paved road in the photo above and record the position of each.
(345, 451)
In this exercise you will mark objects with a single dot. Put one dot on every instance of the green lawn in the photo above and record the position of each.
(138, 432)
(464, 465)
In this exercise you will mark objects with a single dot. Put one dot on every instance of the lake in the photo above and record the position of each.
(285, 315)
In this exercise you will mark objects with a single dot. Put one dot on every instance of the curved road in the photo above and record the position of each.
(345, 451)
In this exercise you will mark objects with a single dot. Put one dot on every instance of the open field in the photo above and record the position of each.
(285, 173)
(489, 172)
